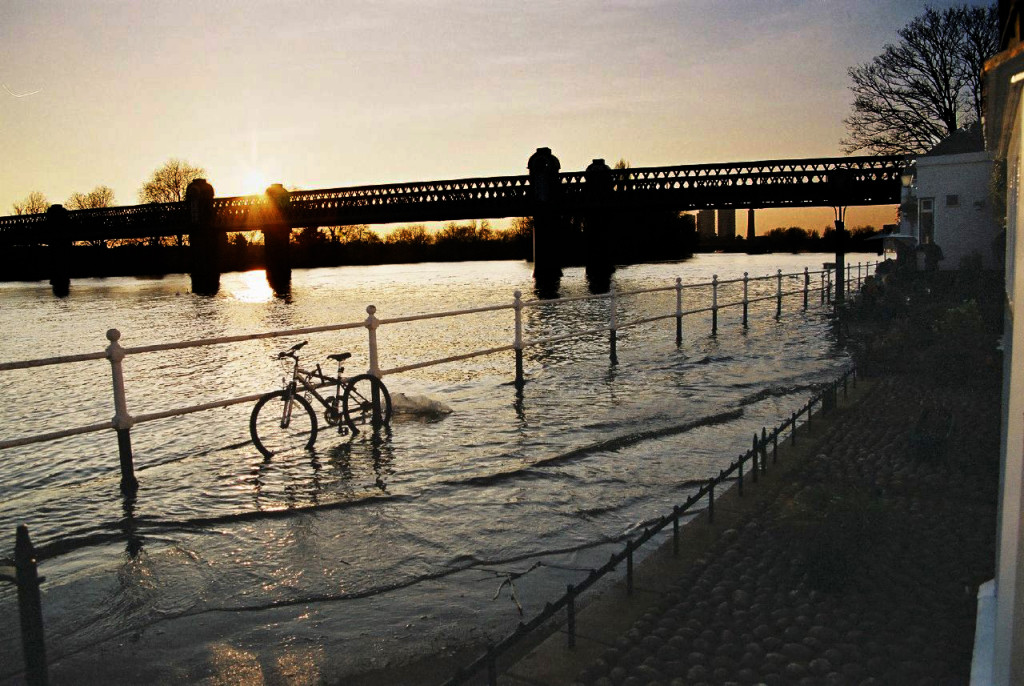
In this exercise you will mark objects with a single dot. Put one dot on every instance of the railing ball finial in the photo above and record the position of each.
(113, 335)
(371, 310)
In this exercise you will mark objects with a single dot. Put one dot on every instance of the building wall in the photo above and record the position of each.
(1009, 621)
(706, 223)
(967, 225)
(727, 224)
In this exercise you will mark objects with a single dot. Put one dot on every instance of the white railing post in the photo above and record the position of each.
(679, 310)
(517, 343)
(746, 299)
(371, 327)
(714, 304)
(778, 295)
(122, 421)
(612, 325)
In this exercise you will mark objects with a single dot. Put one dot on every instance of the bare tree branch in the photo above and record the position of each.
(35, 203)
(926, 86)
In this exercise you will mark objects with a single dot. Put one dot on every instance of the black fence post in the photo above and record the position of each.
(755, 457)
(714, 304)
(778, 296)
(807, 285)
(612, 326)
(679, 311)
(711, 501)
(629, 567)
(517, 342)
(675, 529)
(746, 300)
(30, 609)
(775, 445)
(739, 482)
(793, 433)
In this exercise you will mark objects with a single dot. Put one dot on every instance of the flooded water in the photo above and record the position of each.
(367, 550)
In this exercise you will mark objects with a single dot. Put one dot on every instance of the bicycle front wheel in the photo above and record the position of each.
(282, 421)
(361, 394)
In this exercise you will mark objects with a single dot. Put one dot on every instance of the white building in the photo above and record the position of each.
(954, 207)
(999, 634)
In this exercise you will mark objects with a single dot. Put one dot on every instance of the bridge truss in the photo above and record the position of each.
(847, 181)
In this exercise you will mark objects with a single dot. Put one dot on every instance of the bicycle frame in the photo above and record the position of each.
(303, 377)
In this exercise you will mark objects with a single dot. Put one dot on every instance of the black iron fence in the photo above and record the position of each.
(764, 450)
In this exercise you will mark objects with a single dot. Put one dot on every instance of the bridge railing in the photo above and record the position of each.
(115, 353)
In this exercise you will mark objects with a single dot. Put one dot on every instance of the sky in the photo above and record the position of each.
(325, 94)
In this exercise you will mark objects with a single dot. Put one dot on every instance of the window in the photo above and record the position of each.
(952, 201)
(926, 220)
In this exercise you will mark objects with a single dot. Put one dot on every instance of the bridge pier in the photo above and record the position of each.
(598, 225)
(545, 194)
(277, 241)
(204, 240)
(751, 230)
(59, 242)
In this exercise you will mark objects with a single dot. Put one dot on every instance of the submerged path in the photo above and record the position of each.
(859, 566)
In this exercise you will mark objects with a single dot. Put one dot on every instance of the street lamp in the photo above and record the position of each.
(839, 180)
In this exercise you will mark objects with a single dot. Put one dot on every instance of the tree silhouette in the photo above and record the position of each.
(169, 182)
(34, 203)
(101, 196)
(926, 86)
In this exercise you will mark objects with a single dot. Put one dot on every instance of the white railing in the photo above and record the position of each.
(123, 421)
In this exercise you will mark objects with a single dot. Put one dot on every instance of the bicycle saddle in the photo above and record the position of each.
(340, 357)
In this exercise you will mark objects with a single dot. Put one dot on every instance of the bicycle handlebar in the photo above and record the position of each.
(291, 351)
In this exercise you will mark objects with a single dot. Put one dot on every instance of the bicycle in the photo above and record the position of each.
(285, 419)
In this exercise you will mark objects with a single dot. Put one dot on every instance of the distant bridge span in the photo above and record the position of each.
(848, 181)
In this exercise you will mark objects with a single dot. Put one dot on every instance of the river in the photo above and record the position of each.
(367, 551)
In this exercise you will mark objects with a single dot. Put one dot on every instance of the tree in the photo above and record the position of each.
(101, 196)
(926, 86)
(35, 203)
(168, 183)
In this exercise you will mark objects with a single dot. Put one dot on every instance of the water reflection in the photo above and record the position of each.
(250, 287)
(378, 447)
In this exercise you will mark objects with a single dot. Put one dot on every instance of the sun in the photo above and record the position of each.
(255, 181)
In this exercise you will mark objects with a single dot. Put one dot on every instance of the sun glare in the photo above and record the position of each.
(255, 181)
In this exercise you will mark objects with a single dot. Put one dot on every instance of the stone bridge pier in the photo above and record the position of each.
(548, 238)
(205, 241)
(277, 234)
(59, 249)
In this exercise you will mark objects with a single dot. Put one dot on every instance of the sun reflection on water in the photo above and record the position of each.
(248, 287)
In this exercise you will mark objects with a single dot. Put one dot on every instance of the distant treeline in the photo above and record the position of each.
(795, 239)
(652, 236)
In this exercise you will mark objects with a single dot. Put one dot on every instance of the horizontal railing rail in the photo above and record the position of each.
(763, 446)
(122, 421)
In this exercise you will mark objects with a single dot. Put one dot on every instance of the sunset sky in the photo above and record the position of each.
(323, 94)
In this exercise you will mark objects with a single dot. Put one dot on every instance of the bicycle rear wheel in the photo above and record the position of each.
(357, 403)
(277, 425)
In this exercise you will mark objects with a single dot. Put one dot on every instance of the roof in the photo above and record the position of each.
(962, 141)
